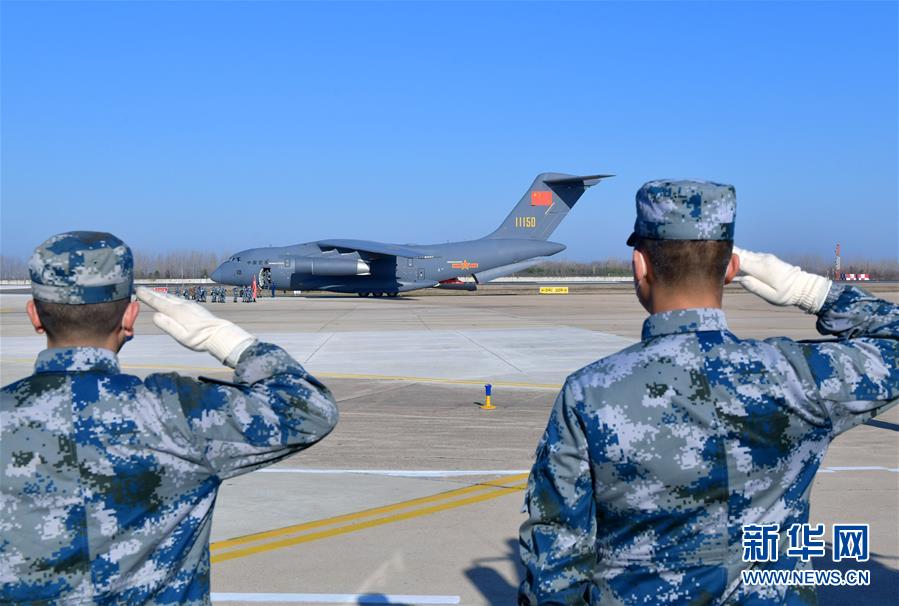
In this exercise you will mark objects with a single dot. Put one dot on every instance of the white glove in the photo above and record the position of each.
(781, 283)
(195, 327)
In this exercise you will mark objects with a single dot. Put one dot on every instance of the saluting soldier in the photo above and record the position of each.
(107, 481)
(655, 458)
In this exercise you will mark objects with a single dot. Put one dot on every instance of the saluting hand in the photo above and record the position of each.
(780, 283)
(195, 327)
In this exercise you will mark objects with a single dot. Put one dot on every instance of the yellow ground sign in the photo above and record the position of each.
(553, 290)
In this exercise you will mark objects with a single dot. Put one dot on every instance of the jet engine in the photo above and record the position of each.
(330, 266)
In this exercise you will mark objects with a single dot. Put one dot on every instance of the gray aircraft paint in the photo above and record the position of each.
(362, 266)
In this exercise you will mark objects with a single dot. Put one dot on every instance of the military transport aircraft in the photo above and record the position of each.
(376, 268)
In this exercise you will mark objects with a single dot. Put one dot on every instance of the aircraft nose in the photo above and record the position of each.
(219, 274)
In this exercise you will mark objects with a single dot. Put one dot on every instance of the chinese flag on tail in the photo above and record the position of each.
(541, 198)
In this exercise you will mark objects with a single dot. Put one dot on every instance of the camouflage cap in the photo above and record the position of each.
(685, 210)
(81, 267)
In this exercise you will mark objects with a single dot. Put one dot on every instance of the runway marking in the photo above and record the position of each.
(450, 473)
(365, 519)
(398, 473)
(864, 468)
(361, 514)
(335, 598)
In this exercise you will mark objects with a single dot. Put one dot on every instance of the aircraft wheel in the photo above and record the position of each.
(393, 294)
(363, 294)
(377, 294)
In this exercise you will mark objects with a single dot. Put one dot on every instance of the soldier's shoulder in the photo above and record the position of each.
(30, 387)
(168, 381)
(603, 372)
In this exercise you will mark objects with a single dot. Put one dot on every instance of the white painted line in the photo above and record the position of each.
(869, 468)
(399, 473)
(429, 473)
(335, 598)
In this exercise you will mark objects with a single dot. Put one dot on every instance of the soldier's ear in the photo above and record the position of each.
(31, 310)
(639, 266)
(130, 317)
(733, 267)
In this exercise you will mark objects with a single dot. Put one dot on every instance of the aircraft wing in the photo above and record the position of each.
(371, 247)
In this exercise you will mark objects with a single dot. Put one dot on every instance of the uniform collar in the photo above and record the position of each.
(77, 359)
(684, 320)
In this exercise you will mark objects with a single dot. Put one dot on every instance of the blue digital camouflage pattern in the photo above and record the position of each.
(108, 482)
(81, 267)
(685, 210)
(655, 457)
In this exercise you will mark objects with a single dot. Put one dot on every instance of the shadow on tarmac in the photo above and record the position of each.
(374, 598)
(883, 590)
(883, 424)
(496, 589)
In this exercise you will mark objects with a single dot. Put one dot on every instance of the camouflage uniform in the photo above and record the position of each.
(108, 481)
(654, 457)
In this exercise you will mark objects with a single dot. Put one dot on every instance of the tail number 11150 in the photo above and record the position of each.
(528, 222)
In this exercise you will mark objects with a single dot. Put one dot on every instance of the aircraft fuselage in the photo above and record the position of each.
(296, 267)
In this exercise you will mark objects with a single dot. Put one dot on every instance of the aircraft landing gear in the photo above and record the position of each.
(393, 295)
(363, 294)
(377, 294)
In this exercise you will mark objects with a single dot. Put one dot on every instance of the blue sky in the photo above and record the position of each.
(220, 126)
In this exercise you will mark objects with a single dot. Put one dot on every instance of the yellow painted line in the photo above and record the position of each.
(355, 527)
(329, 375)
(250, 538)
(366, 513)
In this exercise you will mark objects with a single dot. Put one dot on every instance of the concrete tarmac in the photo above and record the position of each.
(416, 496)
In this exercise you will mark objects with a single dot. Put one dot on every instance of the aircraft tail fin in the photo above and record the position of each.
(544, 205)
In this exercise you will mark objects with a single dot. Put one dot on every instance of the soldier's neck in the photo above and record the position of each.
(670, 300)
(112, 343)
